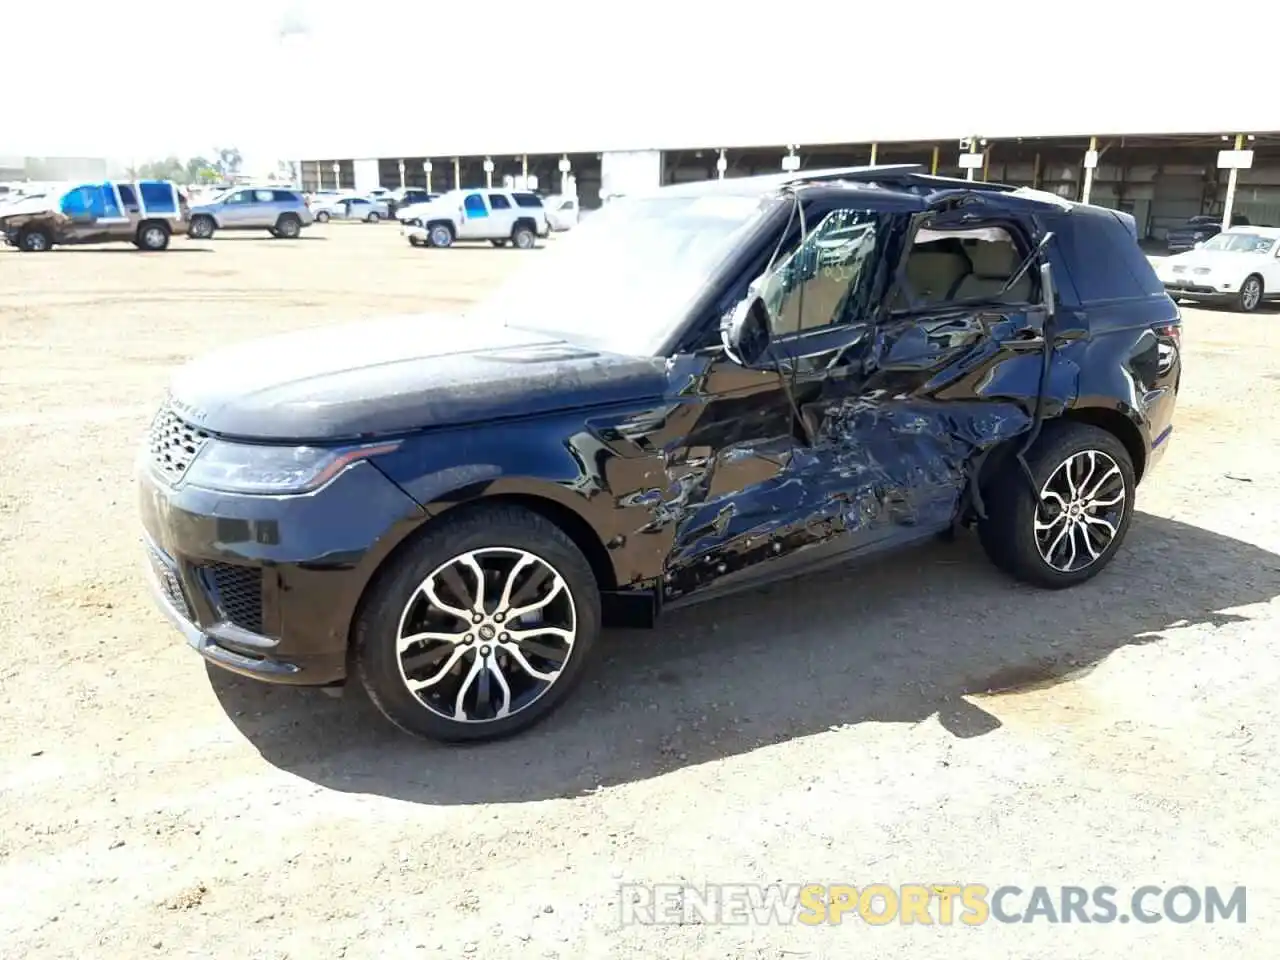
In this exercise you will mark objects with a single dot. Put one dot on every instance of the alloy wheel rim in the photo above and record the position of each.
(486, 635)
(1081, 507)
(153, 237)
(1251, 294)
(35, 241)
(440, 236)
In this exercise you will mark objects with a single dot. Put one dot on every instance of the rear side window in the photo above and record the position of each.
(498, 202)
(127, 196)
(527, 200)
(159, 197)
(284, 196)
(1104, 260)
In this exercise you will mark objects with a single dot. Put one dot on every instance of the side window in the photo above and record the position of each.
(284, 196)
(498, 202)
(83, 201)
(128, 197)
(474, 206)
(263, 196)
(159, 197)
(1103, 260)
(110, 203)
(567, 205)
(949, 265)
(819, 283)
(240, 196)
(529, 200)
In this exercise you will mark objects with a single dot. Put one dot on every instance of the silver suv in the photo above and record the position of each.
(282, 212)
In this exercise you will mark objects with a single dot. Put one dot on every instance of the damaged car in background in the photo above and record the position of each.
(695, 391)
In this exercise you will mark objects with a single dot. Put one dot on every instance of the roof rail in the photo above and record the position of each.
(888, 172)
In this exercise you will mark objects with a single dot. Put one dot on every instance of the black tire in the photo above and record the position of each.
(523, 237)
(415, 242)
(35, 240)
(1009, 533)
(1251, 292)
(322, 217)
(288, 227)
(374, 217)
(152, 236)
(440, 235)
(392, 597)
(201, 227)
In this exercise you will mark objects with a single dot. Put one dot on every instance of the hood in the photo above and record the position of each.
(396, 376)
(415, 210)
(26, 205)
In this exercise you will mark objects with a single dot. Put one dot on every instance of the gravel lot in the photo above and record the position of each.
(835, 730)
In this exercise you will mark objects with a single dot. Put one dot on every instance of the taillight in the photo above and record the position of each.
(1171, 330)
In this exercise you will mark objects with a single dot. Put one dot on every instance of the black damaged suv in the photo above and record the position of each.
(713, 385)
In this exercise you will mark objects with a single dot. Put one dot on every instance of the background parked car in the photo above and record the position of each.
(283, 213)
(1240, 266)
(562, 211)
(351, 208)
(398, 200)
(1198, 229)
(517, 217)
(145, 213)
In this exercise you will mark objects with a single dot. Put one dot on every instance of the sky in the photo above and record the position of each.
(304, 78)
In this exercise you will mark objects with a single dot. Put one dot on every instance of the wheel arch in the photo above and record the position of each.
(540, 497)
(1113, 421)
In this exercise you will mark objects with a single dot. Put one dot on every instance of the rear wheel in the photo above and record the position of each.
(481, 629)
(523, 237)
(288, 227)
(1067, 529)
(1250, 296)
(322, 217)
(374, 217)
(34, 240)
(152, 236)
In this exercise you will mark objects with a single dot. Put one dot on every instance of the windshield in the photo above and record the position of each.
(626, 276)
(1240, 243)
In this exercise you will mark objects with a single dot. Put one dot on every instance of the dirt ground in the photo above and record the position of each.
(834, 730)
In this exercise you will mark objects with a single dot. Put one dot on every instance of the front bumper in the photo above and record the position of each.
(1203, 290)
(267, 586)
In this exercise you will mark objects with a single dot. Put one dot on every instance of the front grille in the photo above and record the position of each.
(237, 591)
(173, 444)
(169, 582)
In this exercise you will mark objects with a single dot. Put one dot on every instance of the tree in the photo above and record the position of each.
(229, 161)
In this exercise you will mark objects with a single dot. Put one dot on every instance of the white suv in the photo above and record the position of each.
(499, 216)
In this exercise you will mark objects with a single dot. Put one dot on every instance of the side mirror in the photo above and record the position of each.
(1048, 293)
(746, 330)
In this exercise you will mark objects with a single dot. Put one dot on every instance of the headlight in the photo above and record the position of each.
(262, 468)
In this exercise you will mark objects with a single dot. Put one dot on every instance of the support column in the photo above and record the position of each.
(721, 166)
(791, 162)
(1035, 172)
(337, 175)
(933, 166)
(401, 174)
(488, 172)
(524, 171)
(1237, 160)
(426, 170)
(1090, 162)
(873, 155)
(565, 167)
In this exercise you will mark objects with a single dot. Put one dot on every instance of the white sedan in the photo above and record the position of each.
(1240, 266)
(350, 208)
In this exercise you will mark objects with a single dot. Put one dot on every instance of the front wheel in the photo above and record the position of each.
(481, 629)
(1250, 296)
(34, 240)
(201, 227)
(322, 217)
(1067, 529)
(374, 217)
(440, 235)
